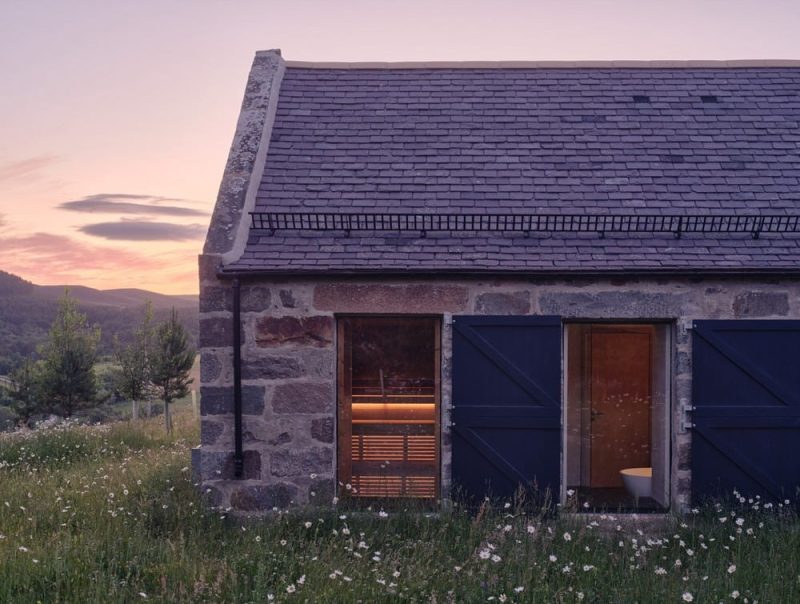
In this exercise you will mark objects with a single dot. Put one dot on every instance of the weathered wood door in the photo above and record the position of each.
(506, 417)
(620, 393)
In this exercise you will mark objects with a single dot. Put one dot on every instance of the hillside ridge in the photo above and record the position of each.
(27, 311)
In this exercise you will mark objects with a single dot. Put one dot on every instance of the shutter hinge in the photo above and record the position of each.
(685, 409)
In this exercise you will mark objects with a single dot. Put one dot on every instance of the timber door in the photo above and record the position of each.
(746, 397)
(620, 390)
(506, 417)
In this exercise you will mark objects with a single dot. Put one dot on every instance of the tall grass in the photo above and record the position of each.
(109, 514)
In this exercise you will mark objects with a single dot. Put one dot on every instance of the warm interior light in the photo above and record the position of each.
(391, 387)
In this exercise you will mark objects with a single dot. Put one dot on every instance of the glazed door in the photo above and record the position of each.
(620, 388)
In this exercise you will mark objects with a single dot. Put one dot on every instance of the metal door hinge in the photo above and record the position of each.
(684, 422)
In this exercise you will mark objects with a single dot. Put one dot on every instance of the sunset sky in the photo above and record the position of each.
(116, 116)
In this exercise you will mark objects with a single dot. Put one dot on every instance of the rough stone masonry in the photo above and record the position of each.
(289, 362)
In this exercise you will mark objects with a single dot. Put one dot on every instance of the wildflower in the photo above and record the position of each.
(531, 529)
(283, 542)
(396, 573)
(731, 569)
(143, 595)
(735, 594)
(567, 537)
(345, 531)
(588, 567)
(23, 549)
(660, 571)
(457, 568)
(258, 538)
(507, 528)
(484, 554)
(383, 514)
(579, 595)
(690, 552)
(553, 558)
(519, 589)
(570, 492)
(496, 558)
(739, 521)
(508, 505)
(307, 524)
(502, 597)
(291, 589)
(332, 575)
(687, 597)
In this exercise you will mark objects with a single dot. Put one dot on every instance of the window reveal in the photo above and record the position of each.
(388, 406)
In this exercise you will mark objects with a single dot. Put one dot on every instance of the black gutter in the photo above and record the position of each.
(644, 273)
(238, 455)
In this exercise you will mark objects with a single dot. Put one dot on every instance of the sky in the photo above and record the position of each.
(116, 116)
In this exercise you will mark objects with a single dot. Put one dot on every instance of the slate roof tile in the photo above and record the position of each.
(499, 140)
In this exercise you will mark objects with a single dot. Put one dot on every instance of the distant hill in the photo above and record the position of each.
(123, 298)
(27, 310)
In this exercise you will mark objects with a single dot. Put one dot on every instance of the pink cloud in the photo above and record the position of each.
(26, 168)
(55, 259)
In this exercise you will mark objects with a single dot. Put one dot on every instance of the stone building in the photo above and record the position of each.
(426, 279)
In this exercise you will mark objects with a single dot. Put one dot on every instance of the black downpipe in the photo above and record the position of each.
(238, 456)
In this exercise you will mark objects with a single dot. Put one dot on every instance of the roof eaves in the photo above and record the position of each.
(689, 272)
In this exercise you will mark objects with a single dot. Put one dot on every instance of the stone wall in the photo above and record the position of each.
(289, 362)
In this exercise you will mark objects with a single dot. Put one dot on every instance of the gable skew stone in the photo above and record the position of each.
(227, 233)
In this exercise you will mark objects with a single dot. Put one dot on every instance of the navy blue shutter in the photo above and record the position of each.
(746, 397)
(506, 405)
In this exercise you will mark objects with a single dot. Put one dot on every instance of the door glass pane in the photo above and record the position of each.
(389, 395)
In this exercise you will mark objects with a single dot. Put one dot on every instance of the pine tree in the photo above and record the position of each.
(25, 391)
(67, 361)
(170, 363)
(133, 378)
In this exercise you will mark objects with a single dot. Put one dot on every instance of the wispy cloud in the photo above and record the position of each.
(59, 260)
(25, 168)
(143, 230)
(126, 203)
(64, 258)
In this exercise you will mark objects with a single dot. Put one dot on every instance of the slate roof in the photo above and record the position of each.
(558, 140)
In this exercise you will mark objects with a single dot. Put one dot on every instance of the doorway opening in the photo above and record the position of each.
(617, 416)
(388, 409)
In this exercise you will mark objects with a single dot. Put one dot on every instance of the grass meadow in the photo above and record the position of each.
(109, 514)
